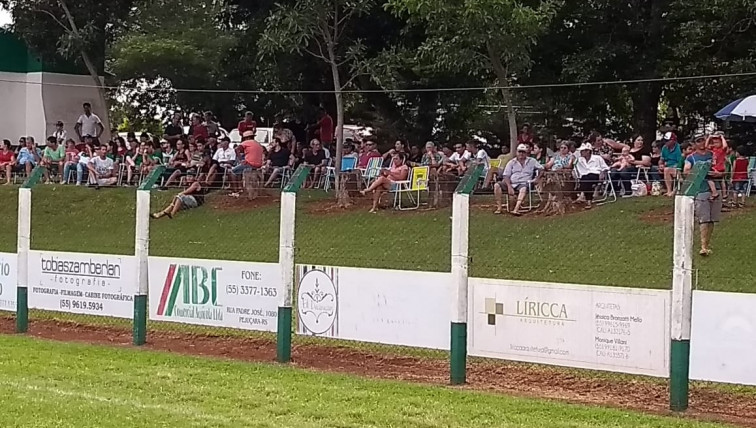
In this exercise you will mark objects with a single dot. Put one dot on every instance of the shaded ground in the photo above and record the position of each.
(621, 391)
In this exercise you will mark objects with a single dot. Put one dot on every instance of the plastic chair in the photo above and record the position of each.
(347, 164)
(372, 171)
(417, 183)
(528, 205)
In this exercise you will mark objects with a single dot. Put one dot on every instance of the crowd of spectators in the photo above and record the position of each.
(203, 158)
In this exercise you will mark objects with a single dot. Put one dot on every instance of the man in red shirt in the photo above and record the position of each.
(198, 128)
(324, 133)
(253, 159)
(370, 152)
(248, 124)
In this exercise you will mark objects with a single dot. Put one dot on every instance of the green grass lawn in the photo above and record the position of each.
(46, 384)
(611, 245)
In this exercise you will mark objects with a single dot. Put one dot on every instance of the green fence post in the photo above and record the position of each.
(141, 253)
(286, 262)
(23, 245)
(682, 288)
(459, 272)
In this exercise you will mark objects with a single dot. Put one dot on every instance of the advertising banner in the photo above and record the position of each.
(723, 337)
(604, 328)
(373, 305)
(242, 295)
(8, 282)
(92, 284)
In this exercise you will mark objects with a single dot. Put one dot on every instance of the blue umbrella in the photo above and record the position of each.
(742, 110)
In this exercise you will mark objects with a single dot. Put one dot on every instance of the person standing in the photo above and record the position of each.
(89, 125)
(175, 130)
(708, 208)
(248, 124)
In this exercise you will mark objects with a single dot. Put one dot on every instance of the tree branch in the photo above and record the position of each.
(50, 14)
(315, 54)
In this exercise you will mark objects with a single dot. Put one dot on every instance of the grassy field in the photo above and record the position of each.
(628, 243)
(46, 384)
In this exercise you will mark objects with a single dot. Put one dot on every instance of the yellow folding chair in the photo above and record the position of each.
(417, 183)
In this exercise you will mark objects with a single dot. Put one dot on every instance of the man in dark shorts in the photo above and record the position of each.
(708, 208)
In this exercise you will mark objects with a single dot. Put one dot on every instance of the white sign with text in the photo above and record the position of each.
(215, 293)
(8, 272)
(604, 328)
(373, 305)
(723, 337)
(93, 284)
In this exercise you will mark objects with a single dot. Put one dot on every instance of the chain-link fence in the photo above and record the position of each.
(219, 254)
(624, 243)
(379, 266)
(80, 238)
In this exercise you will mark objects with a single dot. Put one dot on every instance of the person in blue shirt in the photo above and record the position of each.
(708, 209)
(671, 154)
(28, 157)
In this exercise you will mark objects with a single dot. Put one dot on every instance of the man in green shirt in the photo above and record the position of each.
(54, 156)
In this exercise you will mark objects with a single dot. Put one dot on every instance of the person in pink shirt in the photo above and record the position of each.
(397, 171)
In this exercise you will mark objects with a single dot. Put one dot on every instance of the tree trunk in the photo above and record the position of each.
(646, 109)
(89, 64)
(511, 118)
(342, 195)
(502, 76)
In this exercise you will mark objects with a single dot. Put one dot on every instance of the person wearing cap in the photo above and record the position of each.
(671, 154)
(253, 160)
(517, 176)
(60, 132)
(590, 169)
(708, 208)
(53, 156)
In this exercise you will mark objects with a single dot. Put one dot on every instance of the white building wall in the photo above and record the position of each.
(34, 102)
(64, 103)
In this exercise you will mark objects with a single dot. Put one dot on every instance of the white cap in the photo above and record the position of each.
(585, 146)
(523, 148)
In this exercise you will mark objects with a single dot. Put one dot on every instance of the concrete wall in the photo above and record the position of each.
(34, 102)
(16, 94)
(64, 102)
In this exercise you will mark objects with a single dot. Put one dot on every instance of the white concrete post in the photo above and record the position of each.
(682, 301)
(286, 264)
(459, 266)
(23, 245)
(141, 252)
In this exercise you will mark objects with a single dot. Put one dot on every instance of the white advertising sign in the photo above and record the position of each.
(604, 328)
(371, 305)
(93, 284)
(8, 282)
(723, 337)
(215, 293)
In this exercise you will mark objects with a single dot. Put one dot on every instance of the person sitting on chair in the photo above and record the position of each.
(517, 176)
(192, 197)
(589, 168)
(398, 171)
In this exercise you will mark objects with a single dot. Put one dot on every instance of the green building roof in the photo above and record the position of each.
(16, 57)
